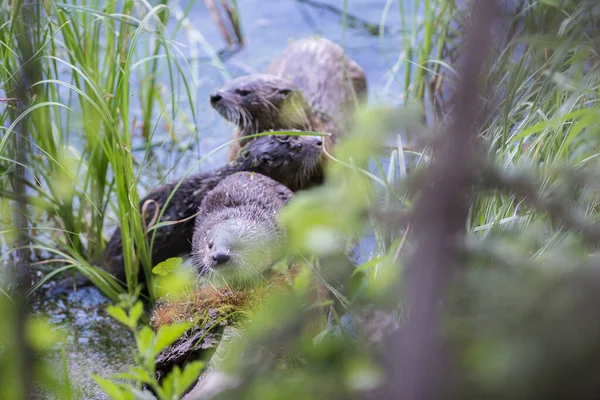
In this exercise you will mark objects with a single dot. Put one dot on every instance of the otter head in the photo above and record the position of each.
(294, 161)
(238, 244)
(259, 103)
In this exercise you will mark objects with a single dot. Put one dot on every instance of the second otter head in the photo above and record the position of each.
(259, 103)
(294, 161)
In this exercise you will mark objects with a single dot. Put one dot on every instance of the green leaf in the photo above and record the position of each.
(550, 123)
(41, 335)
(169, 384)
(119, 314)
(136, 374)
(553, 3)
(189, 375)
(167, 334)
(144, 341)
(135, 313)
(177, 381)
(116, 392)
(143, 394)
(369, 264)
(175, 284)
(168, 266)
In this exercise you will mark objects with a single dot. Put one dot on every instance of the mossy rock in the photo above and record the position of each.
(210, 309)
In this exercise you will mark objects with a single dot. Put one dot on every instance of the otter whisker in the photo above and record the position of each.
(270, 105)
(227, 111)
(241, 117)
(234, 114)
(247, 116)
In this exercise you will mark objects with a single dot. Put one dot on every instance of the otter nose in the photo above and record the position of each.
(221, 258)
(215, 97)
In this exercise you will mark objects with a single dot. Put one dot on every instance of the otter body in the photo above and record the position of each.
(330, 81)
(236, 229)
(292, 161)
(311, 86)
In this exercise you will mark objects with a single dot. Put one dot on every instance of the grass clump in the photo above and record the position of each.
(89, 146)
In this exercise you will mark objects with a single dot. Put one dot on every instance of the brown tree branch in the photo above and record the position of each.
(414, 356)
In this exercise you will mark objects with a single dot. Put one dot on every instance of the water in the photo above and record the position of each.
(267, 27)
(96, 344)
(99, 345)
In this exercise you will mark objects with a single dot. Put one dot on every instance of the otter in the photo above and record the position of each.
(311, 86)
(261, 103)
(236, 231)
(293, 161)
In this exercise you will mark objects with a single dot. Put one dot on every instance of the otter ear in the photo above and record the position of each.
(283, 138)
(285, 92)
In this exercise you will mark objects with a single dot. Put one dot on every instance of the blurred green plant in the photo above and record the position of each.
(148, 345)
(532, 223)
(81, 165)
(49, 370)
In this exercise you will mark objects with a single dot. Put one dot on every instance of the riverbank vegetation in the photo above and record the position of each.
(484, 203)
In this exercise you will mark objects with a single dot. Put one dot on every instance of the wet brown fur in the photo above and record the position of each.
(311, 86)
(234, 217)
(293, 161)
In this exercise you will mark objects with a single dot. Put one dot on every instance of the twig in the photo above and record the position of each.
(219, 21)
(353, 20)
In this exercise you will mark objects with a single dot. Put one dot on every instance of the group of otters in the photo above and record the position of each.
(311, 86)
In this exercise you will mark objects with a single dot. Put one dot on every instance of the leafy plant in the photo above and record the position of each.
(149, 344)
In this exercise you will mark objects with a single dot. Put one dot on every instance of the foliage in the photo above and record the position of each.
(45, 342)
(149, 345)
(530, 226)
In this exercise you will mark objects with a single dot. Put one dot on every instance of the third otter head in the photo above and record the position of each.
(237, 243)
(294, 161)
(259, 103)
(236, 234)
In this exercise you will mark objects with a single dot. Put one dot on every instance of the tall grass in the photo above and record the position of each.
(546, 109)
(543, 108)
(93, 58)
(422, 67)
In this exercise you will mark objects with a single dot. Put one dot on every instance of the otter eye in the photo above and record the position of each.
(242, 92)
(210, 244)
(285, 92)
(265, 159)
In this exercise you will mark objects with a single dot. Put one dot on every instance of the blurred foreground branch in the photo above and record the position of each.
(414, 360)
